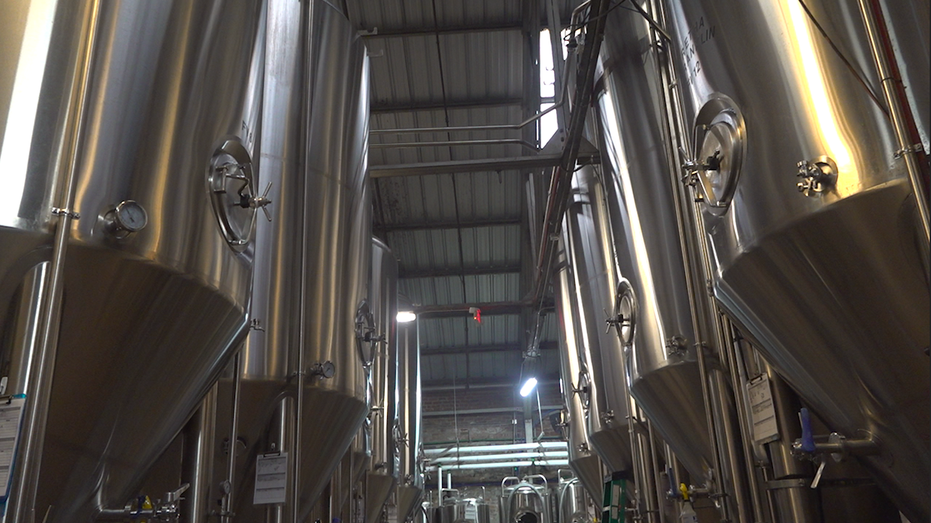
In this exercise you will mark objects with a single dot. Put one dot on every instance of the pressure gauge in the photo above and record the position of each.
(126, 218)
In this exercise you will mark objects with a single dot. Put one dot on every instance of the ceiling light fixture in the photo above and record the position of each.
(406, 316)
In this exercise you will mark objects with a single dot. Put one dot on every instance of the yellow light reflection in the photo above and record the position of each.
(813, 80)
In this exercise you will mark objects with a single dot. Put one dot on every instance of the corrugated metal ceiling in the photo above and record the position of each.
(459, 238)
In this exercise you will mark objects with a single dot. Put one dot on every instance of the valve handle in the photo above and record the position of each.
(808, 437)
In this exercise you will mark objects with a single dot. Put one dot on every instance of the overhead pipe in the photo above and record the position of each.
(502, 465)
(560, 445)
(497, 457)
(502, 127)
(408, 145)
(560, 181)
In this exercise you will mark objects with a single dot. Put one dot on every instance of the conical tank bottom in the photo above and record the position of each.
(330, 420)
(353, 465)
(377, 489)
(408, 500)
(588, 469)
(142, 345)
(671, 398)
(613, 446)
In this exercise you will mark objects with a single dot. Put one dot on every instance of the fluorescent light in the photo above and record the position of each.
(528, 386)
(406, 317)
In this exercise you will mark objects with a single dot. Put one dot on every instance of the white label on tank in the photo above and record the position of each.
(10, 415)
(271, 478)
(762, 410)
(471, 513)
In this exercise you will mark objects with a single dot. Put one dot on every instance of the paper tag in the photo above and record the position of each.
(762, 411)
(471, 513)
(10, 416)
(271, 478)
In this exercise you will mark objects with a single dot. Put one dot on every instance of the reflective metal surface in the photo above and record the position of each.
(463, 510)
(336, 218)
(574, 503)
(383, 296)
(173, 295)
(910, 32)
(819, 281)
(410, 472)
(641, 202)
(583, 461)
(587, 239)
(269, 356)
(525, 501)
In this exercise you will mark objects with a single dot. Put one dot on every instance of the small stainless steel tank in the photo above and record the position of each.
(574, 503)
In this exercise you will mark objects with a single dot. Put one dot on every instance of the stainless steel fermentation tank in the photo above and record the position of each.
(652, 300)
(582, 458)
(587, 241)
(141, 117)
(335, 222)
(811, 218)
(410, 490)
(382, 477)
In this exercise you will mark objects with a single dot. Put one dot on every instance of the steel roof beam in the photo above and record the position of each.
(488, 309)
(539, 161)
(438, 272)
(426, 226)
(515, 347)
(395, 32)
(432, 105)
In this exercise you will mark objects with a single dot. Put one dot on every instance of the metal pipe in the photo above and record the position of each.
(494, 457)
(712, 430)
(909, 145)
(511, 127)
(226, 513)
(503, 465)
(744, 420)
(560, 184)
(25, 481)
(561, 445)
(198, 458)
(407, 145)
(307, 15)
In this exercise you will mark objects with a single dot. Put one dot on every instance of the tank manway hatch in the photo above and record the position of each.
(232, 185)
(720, 142)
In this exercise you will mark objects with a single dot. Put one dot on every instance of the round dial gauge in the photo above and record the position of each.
(130, 216)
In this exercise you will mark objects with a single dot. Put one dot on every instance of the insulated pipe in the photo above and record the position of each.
(503, 465)
(909, 144)
(491, 457)
(561, 445)
(25, 481)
